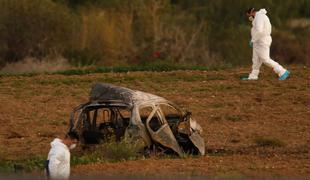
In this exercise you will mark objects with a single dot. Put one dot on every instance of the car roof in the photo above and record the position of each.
(103, 92)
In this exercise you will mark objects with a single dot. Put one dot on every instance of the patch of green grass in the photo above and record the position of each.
(107, 79)
(86, 159)
(157, 67)
(47, 134)
(44, 82)
(122, 150)
(78, 93)
(23, 165)
(6, 166)
(217, 105)
(234, 118)
(186, 155)
(193, 78)
(298, 74)
(57, 122)
(74, 72)
(219, 152)
(19, 74)
(64, 81)
(215, 77)
(268, 142)
(180, 77)
(307, 85)
(18, 84)
(222, 87)
(73, 81)
(36, 163)
(195, 172)
(110, 151)
(58, 93)
(160, 79)
(131, 78)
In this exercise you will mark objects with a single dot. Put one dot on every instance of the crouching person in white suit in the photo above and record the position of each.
(261, 42)
(58, 162)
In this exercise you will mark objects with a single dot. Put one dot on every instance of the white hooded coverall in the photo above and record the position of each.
(261, 39)
(59, 160)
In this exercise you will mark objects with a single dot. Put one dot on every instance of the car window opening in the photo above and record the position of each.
(103, 124)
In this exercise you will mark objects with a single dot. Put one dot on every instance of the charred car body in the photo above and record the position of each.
(122, 112)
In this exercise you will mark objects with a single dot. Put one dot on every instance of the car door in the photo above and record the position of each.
(160, 130)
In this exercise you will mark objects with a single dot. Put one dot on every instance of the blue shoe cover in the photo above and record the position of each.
(244, 78)
(284, 76)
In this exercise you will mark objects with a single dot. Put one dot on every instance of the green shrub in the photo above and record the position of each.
(120, 150)
(83, 57)
(286, 48)
(126, 32)
(6, 166)
(22, 165)
(92, 157)
(109, 151)
(34, 28)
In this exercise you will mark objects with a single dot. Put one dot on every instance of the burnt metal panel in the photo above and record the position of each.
(108, 92)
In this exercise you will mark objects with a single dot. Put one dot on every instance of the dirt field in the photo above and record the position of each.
(252, 128)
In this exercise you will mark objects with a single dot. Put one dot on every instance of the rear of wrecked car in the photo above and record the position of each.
(148, 121)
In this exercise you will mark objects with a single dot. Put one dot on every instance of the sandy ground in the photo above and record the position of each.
(233, 114)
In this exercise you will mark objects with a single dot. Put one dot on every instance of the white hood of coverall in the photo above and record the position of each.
(59, 160)
(262, 11)
(261, 30)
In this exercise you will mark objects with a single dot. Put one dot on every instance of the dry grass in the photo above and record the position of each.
(33, 65)
(268, 142)
(231, 112)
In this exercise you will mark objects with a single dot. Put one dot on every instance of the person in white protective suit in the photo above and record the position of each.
(261, 42)
(58, 161)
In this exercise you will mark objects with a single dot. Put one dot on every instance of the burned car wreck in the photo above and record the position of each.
(125, 113)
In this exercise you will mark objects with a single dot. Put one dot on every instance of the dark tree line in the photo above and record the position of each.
(112, 32)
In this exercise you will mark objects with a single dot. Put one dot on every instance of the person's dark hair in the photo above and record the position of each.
(250, 10)
(72, 135)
